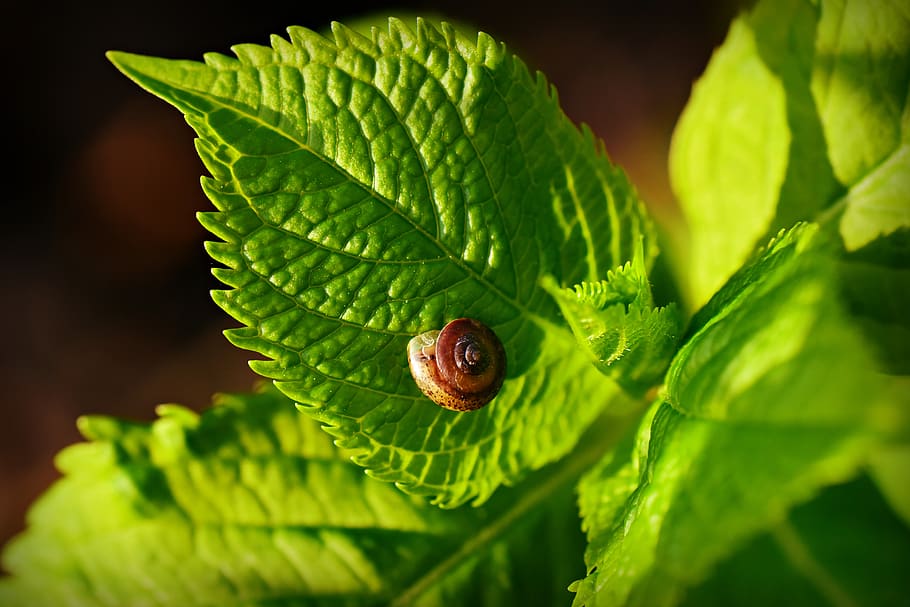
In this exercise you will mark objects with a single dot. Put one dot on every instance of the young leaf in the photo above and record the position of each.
(616, 322)
(372, 189)
(250, 504)
(772, 397)
(802, 114)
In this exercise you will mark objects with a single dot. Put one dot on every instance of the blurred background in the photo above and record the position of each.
(104, 288)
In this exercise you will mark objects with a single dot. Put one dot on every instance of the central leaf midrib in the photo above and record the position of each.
(378, 261)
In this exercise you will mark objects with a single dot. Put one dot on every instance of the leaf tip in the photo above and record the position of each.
(124, 62)
(131, 65)
(113, 56)
(91, 427)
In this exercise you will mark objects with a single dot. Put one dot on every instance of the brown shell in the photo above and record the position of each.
(461, 367)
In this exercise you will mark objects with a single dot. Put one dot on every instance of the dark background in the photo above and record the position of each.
(104, 282)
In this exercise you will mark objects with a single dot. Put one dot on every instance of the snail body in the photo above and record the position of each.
(460, 367)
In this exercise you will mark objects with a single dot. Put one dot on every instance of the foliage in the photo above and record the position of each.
(368, 188)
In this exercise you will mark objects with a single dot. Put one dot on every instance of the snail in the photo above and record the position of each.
(460, 367)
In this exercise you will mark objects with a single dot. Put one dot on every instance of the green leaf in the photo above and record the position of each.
(774, 335)
(249, 503)
(771, 398)
(863, 563)
(802, 114)
(878, 205)
(616, 322)
(728, 161)
(372, 189)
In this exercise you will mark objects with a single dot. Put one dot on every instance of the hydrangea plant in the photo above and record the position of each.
(745, 445)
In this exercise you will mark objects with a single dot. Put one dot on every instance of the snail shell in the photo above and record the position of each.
(460, 367)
